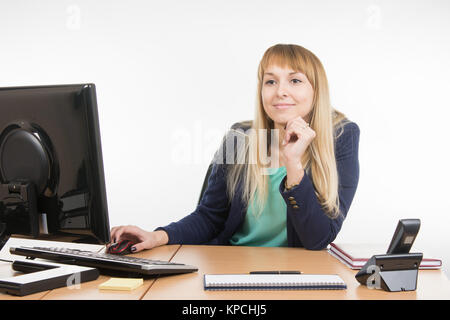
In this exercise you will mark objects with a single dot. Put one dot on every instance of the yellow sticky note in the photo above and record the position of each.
(126, 284)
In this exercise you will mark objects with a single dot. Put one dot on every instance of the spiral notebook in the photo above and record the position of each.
(273, 282)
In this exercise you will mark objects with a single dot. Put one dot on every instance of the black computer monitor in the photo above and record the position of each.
(50, 146)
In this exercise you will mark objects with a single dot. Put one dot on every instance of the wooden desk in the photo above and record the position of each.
(432, 284)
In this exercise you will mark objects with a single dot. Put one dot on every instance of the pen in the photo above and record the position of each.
(275, 272)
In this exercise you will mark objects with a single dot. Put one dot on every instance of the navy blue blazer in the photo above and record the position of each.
(216, 218)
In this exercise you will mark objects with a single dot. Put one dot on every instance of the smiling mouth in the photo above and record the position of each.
(283, 106)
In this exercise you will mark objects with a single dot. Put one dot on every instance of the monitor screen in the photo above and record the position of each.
(50, 139)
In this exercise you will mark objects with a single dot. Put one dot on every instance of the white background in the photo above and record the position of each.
(172, 76)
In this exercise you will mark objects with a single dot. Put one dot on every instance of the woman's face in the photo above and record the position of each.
(286, 94)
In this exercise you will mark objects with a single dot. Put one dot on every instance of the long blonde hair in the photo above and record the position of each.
(319, 158)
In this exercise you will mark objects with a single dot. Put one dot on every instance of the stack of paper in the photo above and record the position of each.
(356, 255)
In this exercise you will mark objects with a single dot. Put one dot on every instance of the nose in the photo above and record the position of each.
(282, 90)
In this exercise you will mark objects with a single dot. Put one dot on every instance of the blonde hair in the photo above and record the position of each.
(320, 155)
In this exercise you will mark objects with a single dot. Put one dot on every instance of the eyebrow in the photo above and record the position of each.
(271, 74)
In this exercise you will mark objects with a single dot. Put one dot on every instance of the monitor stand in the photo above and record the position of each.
(42, 276)
(4, 235)
(87, 240)
(64, 237)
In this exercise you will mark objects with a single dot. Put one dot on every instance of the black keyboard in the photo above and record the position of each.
(104, 261)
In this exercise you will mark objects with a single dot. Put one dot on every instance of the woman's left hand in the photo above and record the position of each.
(298, 136)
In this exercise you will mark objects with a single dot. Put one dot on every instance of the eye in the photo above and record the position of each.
(270, 82)
(296, 81)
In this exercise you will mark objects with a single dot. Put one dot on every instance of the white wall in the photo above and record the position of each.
(172, 76)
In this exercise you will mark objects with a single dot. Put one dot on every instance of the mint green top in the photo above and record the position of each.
(268, 229)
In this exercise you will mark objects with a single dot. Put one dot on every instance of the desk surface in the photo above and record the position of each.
(432, 284)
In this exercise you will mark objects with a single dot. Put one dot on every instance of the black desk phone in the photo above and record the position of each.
(396, 270)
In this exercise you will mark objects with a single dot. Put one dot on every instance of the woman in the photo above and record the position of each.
(296, 171)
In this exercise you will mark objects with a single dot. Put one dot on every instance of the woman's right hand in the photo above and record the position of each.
(142, 239)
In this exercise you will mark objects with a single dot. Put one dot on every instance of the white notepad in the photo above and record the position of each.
(273, 282)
